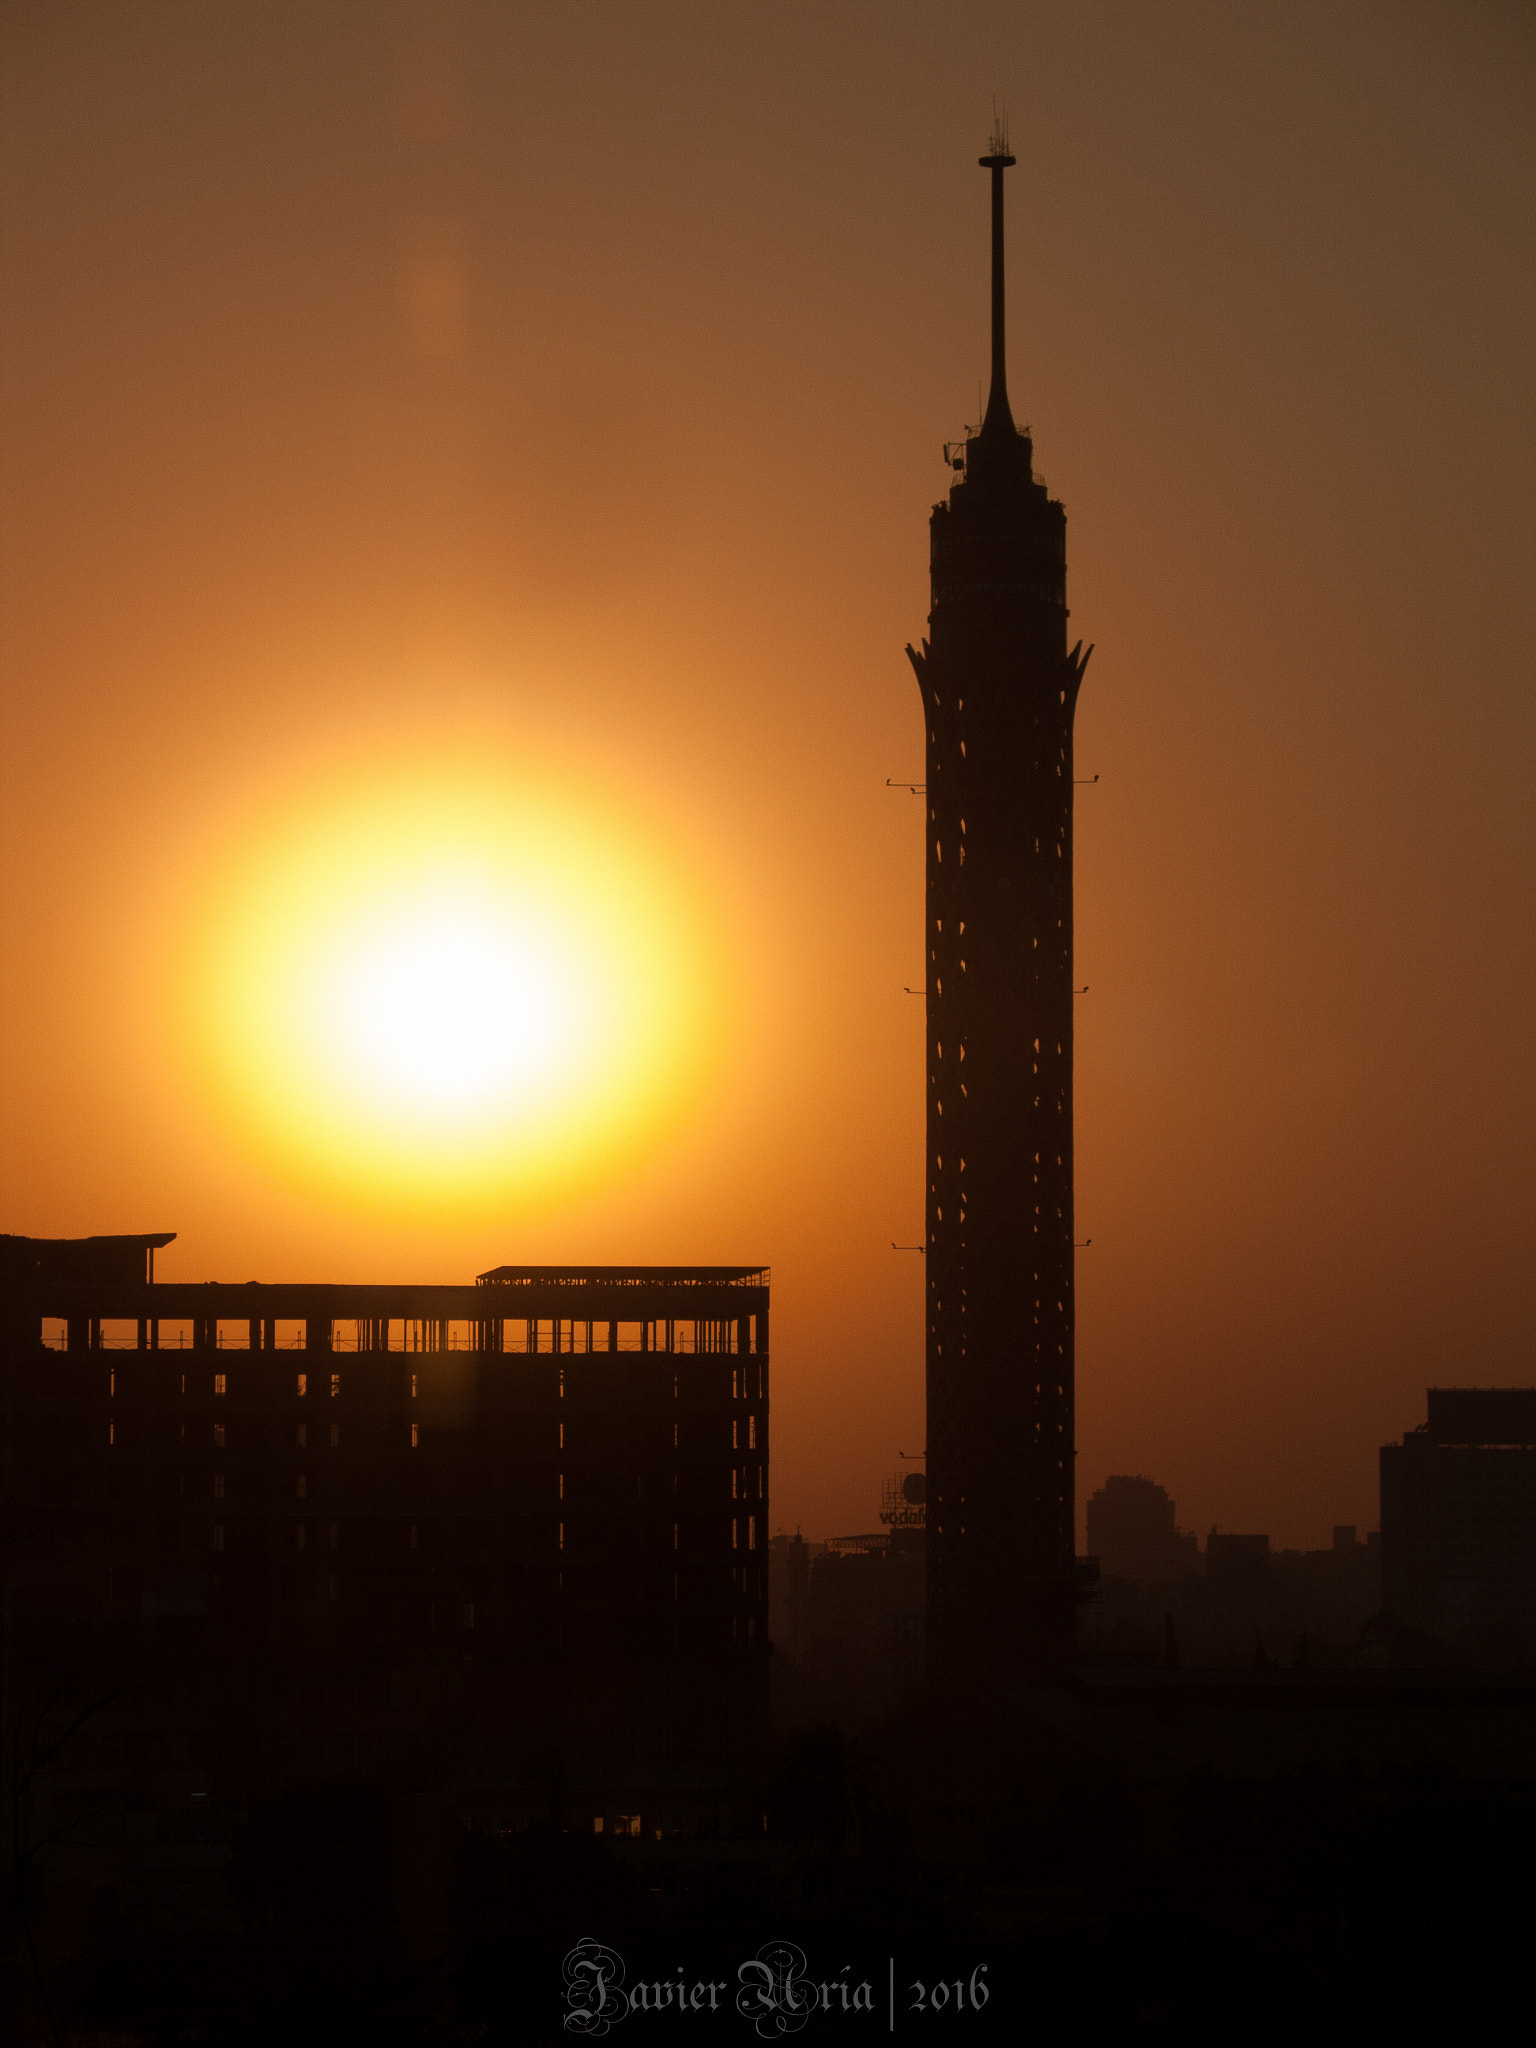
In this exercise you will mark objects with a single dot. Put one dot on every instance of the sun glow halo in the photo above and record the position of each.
(449, 992)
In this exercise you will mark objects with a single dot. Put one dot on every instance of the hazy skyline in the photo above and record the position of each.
(400, 398)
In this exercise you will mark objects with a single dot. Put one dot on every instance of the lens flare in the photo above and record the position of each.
(442, 988)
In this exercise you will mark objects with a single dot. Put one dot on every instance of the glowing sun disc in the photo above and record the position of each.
(454, 1002)
(441, 985)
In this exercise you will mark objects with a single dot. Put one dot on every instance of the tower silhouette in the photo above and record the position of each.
(999, 691)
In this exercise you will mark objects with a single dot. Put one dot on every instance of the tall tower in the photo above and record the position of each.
(999, 691)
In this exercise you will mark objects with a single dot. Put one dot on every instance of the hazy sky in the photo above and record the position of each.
(405, 402)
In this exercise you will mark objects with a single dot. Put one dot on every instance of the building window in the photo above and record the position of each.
(335, 1384)
(218, 1436)
(415, 1435)
(303, 1436)
(751, 1532)
(562, 1536)
(735, 1436)
(413, 1386)
(111, 1432)
(111, 1385)
(303, 1384)
(218, 1535)
(218, 1485)
(751, 1432)
(220, 1383)
(735, 1535)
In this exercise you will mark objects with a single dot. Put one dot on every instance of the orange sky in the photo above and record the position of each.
(558, 391)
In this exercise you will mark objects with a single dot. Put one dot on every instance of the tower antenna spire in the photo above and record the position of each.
(999, 415)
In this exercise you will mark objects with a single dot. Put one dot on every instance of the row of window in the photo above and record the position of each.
(741, 1489)
(558, 1336)
(301, 1537)
(221, 1441)
(741, 1389)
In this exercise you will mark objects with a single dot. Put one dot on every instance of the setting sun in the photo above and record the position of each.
(453, 1001)
(443, 984)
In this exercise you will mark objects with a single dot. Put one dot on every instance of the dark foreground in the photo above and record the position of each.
(1177, 1856)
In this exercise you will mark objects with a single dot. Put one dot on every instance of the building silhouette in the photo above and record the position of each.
(847, 1615)
(1458, 1520)
(504, 1541)
(1132, 1534)
(999, 690)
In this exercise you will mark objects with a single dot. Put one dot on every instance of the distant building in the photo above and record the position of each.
(1458, 1517)
(1233, 1561)
(849, 1614)
(1250, 1604)
(789, 1578)
(1131, 1532)
(865, 1605)
(1334, 1592)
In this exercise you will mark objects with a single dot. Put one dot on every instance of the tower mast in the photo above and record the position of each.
(999, 691)
(999, 415)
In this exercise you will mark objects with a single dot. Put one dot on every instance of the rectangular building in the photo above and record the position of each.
(348, 1525)
(1458, 1518)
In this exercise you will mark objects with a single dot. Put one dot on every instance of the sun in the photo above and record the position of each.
(450, 999)
(434, 986)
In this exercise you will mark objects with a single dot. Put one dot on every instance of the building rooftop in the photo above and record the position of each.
(624, 1276)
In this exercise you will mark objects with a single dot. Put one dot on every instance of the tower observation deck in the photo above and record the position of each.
(999, 691)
